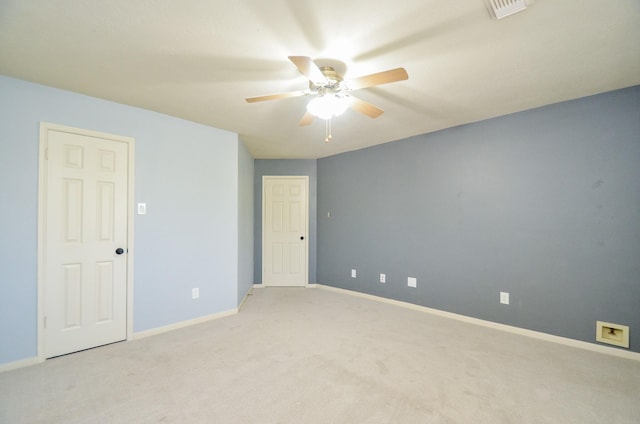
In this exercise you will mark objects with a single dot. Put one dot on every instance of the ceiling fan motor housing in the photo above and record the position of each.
(332, 86)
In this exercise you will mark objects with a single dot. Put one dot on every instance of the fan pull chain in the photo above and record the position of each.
(327, 130)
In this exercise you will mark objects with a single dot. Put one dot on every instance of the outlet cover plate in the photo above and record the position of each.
(504, 298)
(412, 282)
(353, 273)
(383, 278)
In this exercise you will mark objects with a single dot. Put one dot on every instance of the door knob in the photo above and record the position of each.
(301, 237)
(119, 251)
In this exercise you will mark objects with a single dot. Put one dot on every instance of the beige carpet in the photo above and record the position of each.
(317, 356)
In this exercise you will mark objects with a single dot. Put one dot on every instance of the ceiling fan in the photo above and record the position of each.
(332, 92)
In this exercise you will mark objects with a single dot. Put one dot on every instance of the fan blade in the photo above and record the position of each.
(307, 119)
(309, 69)
(276, 96)
(385, 77)
(365, 108)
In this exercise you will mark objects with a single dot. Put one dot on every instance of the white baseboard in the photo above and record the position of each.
(183, 324)
(503, 327)
(140, 335)
(309, 285)
(9, 366)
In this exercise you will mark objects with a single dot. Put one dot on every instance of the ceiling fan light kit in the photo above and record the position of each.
(331, 92)
(328, 106)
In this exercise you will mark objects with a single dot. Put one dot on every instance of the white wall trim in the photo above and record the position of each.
(10, 366)
(259, 286)
(503, 327)
(183, 324)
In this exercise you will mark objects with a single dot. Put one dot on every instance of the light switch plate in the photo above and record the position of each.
(142, 208)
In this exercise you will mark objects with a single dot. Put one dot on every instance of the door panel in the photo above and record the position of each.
(295, 258)
(285, 231)
(104, 292)
(105, 210)
(72, 295)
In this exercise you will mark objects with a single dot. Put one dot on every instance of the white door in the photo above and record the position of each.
(85, 240)
(285, 231)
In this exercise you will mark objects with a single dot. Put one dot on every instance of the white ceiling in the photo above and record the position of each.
(199, 59)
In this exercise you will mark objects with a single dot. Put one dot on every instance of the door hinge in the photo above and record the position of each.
(45, 321)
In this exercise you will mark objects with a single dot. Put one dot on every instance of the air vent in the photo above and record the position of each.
(614, 334)
(502, 8)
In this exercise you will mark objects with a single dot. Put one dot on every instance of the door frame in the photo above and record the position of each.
(305, 178)
(42, 197)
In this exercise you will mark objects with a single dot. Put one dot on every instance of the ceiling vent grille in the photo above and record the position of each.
(502, 8)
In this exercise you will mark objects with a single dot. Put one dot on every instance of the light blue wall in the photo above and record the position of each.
(306, 167)
(186, 173)
(543, 204)
(245, 222)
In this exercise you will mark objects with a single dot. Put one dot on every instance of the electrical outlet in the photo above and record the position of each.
(383, 278)
(504, 298)
(195, 293)
(412, 282)
(353, 273)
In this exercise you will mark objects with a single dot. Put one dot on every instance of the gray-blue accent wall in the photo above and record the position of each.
(542, 204)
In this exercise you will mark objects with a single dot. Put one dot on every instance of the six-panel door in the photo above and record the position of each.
(285, 231)
(85, 282)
